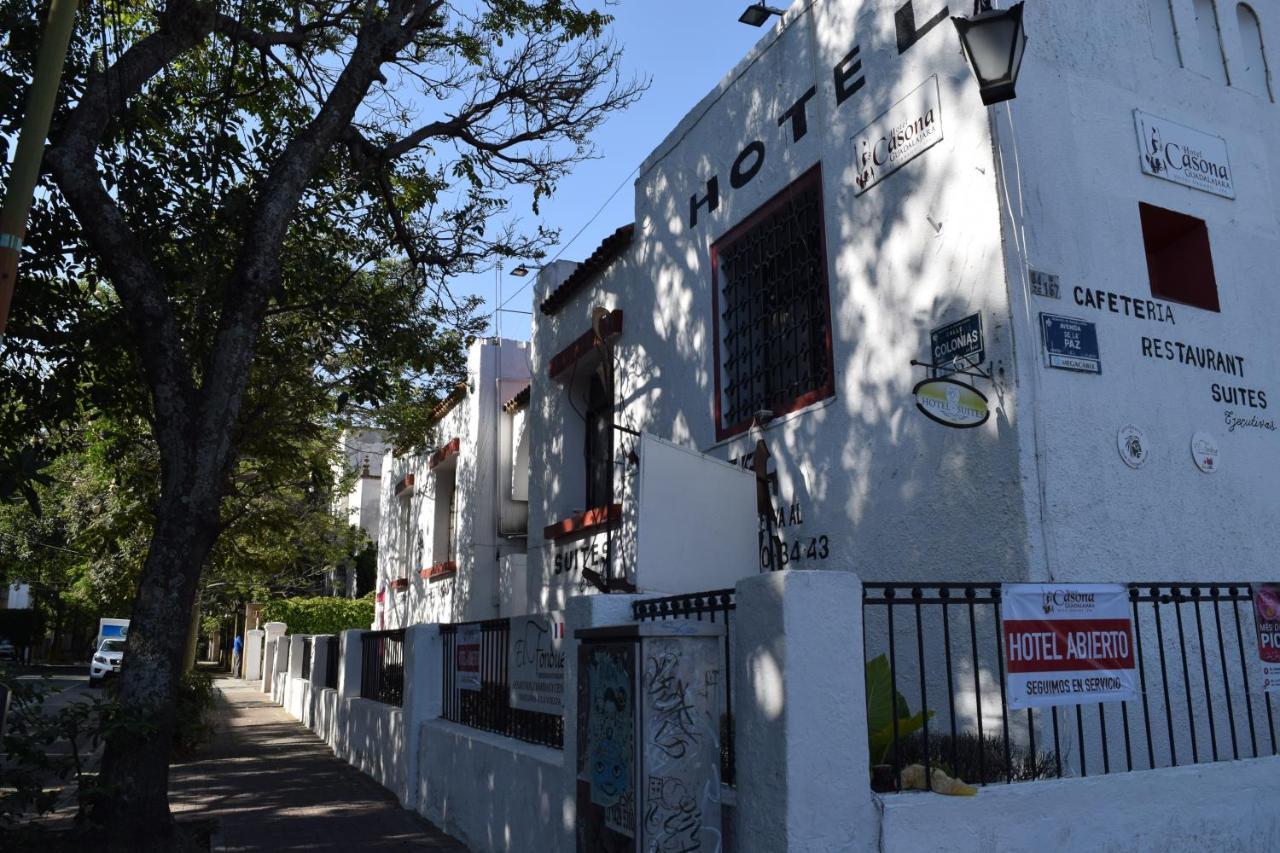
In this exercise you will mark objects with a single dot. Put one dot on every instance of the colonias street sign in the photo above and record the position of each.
(958, 345)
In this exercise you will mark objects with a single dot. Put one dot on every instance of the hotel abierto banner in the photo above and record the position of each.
(1266, 613)
(1067, 644)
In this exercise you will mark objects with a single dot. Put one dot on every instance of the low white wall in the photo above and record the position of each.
(299, 698)
(375, 741)
(1205, 808)
(324, 718)
(494, 793)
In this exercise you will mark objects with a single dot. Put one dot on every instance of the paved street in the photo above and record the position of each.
(273, 785)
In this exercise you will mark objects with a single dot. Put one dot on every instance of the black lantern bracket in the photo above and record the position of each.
(969, 368)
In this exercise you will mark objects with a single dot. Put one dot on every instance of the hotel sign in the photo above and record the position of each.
(1183, 155)
(904, 132)
(1067, 644)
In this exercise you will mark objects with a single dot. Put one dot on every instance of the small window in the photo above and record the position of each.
(599, 444)
(1164, 38)
(1179, 262)
(773, 342)
(445, 520)
(1213, 62)
(1254, 75)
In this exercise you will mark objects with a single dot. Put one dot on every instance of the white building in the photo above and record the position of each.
(15, 596)
(361, 452)
(843, 195)
(454, 514)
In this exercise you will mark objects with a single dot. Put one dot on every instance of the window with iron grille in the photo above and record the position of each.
(599, 444)
(772, 309)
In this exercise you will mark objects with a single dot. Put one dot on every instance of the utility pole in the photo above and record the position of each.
(26, 161)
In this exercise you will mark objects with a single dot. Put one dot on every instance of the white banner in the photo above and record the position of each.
(536, 655)
(1068, 644)
(466, 657)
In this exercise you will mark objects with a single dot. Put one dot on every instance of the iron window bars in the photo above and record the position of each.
(773, 335)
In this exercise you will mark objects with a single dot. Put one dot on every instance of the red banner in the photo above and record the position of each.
(1068, 645)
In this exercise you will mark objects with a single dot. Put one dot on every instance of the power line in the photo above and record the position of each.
(572, 240)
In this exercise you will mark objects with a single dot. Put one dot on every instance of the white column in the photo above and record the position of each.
(293, 691)
(800, 730)
(350, 650)
(423, 698)
(280, 674)
(252, 666)
(315, 683)
(274, 631)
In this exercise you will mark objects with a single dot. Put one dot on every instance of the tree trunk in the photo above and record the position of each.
(134, 807)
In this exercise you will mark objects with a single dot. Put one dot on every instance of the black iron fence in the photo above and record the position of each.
(941, 646)
(716, 606)
(489, 707)
(382, 666)
(306, 656)
(331, 662)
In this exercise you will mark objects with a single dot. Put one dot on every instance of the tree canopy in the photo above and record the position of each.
(249, 220)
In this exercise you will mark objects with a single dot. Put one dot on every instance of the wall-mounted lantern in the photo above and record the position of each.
(994, 42)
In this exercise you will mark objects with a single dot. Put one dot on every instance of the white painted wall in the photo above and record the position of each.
(1081, 184)
(1202, 809)
(482, 468)
(893, 493)
(494, 793)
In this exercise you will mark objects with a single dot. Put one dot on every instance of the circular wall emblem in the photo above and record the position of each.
(1132, 444)
(1204, 450)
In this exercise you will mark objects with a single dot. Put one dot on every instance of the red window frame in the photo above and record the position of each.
(812, 179)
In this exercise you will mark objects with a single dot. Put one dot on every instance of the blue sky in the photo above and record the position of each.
(684, 47)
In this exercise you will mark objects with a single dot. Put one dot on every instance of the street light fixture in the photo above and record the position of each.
(993, 41)
(757, 13)
(520, 271)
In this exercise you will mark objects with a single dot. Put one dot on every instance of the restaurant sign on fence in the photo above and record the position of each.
(1067, 644)
(536, 654)
(467, 657)
(1266, 612)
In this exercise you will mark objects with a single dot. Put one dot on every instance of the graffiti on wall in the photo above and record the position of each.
(610, 748)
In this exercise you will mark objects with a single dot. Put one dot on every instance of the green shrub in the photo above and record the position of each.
(320, 615)
(194, 725)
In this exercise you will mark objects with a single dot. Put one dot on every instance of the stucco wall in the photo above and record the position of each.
(494, 793)
(886, 491)
(1201, 809)
(1081, 184)
(374, 742)
(493, 375)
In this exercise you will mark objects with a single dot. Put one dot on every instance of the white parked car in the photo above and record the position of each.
(106, 661)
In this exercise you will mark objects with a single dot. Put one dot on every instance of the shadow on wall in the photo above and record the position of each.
(902, 259)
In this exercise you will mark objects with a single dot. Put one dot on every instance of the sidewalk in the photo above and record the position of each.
(273, 785)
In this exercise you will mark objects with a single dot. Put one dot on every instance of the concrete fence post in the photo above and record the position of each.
(350, 657)
(315, 681)
(423, 698)
(803, 775)
(274, 631)
(292, 693)
(280, 675)
(251, 656)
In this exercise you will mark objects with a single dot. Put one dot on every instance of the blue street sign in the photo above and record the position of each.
(1070, 344)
